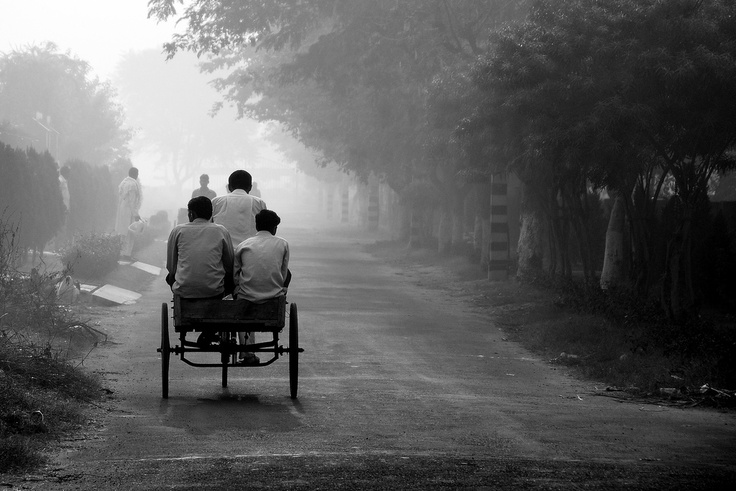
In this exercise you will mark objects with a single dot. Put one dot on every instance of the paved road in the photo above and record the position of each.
(401, 387)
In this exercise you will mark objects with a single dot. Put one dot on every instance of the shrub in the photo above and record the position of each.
(93, 197)
(93, 255)
(42, 395)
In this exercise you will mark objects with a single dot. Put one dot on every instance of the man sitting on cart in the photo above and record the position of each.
(199, 257)
(261, 267)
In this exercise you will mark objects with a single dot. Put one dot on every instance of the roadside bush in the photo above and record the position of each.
(93, 198)
(93, 255)
(42, 394)
(634, 341)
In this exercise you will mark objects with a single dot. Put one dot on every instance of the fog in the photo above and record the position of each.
(178, 136)
(166, 105)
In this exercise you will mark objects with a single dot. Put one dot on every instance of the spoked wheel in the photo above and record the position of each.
(293, 351)
(224, 355)
(165, 351)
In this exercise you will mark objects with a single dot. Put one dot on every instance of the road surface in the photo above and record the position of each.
(401, 387)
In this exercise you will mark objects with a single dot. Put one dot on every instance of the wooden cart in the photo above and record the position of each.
(223, 319)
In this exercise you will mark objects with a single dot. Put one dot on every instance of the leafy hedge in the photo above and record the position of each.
(30, 195)
(93, 255)
(92, 196)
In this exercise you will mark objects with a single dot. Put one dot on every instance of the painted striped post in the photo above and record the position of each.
(330, 200)
(345, 215)
(498, 264)
(373, 204)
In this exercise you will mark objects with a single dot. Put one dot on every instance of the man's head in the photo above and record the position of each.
(65, 171)
(267, 220)
(199, 207)
(204, 180)
(240, 179)
(133, 172)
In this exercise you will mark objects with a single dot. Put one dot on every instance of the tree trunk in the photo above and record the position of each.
(531, 245)
(613, 273)
(678, 296)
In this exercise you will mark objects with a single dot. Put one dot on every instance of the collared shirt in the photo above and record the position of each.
(236, 212)
(199, 258)
(204, 191)
(261, 263)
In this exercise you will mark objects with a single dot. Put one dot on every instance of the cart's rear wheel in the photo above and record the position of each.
(165, 351)
(224, 355)
(293, 351)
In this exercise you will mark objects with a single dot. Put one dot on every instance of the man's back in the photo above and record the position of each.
(200, 257)
(236, 211)
(261, 266)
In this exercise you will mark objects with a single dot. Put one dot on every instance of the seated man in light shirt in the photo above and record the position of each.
(261, 267)
(199, 257)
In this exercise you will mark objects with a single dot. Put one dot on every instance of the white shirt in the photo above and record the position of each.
(261, 263)
(64, 185)
(236, 211)
(199, 256)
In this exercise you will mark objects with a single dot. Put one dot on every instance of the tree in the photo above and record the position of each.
(50, 97)
(353, 83)
(623, 101)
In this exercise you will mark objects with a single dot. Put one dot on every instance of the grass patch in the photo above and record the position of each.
(41, 397)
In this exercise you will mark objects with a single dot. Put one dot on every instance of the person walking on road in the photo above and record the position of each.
(203, 189)
(130, 196)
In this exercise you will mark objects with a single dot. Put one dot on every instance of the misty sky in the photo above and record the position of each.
(96, 31)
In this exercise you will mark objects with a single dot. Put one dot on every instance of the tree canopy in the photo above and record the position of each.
(49, 101)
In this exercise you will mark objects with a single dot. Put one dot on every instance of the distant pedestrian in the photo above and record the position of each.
(203, 189)
(130, 196)
(62, 237)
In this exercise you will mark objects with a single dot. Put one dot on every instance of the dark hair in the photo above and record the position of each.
(240, 179)
(202, 206)
(267, 220)
(204, 176)
(65, 171)
(133, 172)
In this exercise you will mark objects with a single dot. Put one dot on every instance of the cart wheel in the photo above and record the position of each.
(293, 351)
(224, 355)
(165, 351)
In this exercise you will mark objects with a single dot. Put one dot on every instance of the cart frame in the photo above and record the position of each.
(226, 318)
